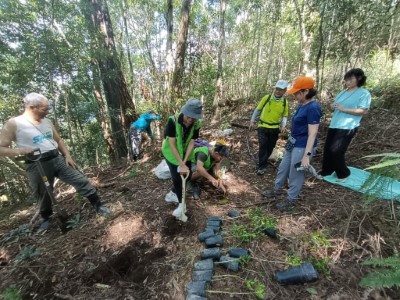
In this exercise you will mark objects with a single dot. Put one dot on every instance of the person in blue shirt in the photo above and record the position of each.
(301, 143)
(349, 107)
(141, 125)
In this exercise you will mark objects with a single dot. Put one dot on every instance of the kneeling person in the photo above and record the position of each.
(207, 161)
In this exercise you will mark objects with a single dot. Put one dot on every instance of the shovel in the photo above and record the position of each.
(60, 214)
(183, 216)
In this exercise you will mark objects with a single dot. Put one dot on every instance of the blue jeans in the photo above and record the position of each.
(56, 167)
(287, 171)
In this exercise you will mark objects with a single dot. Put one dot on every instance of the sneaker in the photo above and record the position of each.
(171, 197)
(178, 211)
(261, 171)
(196, 192)
(287, 205)
(271, 193)
(342, 179)
(102, 210)
(44, 225)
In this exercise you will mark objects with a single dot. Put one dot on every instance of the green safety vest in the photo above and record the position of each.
(166, 149)
(204, 149)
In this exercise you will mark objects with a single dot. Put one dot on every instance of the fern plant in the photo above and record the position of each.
(383, 176)
(388, 276)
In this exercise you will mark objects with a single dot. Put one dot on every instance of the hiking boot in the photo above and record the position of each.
(271, 193)
(261, 171)
(196, 192)
(178, 211)
(287, 205)
(102, 210)
(171, 197)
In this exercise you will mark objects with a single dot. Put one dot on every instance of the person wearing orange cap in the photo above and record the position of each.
(301, 143)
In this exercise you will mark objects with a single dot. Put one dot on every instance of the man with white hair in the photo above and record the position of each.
(32, 130)
(272, 111)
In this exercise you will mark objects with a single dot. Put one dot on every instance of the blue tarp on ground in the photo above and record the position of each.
(383, 187)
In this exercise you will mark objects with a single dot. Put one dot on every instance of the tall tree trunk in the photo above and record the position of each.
(169, 57)
(219, 84)
(124, 7)
(181, 49)
(320, 48)
(119, 102)
(305, 38)
(103, 113)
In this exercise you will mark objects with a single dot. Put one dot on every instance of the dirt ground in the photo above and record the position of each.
(141, 252)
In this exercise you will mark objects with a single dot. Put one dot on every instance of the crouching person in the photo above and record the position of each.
(32, 130)
(207, 164)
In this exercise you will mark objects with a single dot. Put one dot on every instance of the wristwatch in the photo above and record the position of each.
(308, 154)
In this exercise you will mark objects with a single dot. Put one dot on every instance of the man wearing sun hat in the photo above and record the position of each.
(272, 112)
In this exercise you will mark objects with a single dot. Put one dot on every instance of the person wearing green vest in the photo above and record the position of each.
(181, 131)
(272, 111)
(206, 165)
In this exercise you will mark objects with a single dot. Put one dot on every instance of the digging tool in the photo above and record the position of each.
(61, 215)
(183, 216)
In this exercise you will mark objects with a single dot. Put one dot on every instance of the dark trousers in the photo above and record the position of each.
(176, 178)
(336, 144)
(56, 167)
(267, 138)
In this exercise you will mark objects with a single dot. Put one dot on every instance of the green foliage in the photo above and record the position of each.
(258, 288)
(383, 175)
(388, 160)
(321, 265)
(387, 276)
(320, 239)
(253, 230)
(79, 199)
(27, 253)
(312, 291)
(11, 294)
(244, 260)
(260, 220)
(244, 233)
(74, 221)
(132, 173)
(293, 260)
(15, 234)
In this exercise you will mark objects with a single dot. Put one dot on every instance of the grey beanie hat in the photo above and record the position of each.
(192, 108)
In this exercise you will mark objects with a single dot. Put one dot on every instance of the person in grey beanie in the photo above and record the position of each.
(180, 133)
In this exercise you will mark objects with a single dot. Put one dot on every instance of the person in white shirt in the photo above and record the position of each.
(32, 130)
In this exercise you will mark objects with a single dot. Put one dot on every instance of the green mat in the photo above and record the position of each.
(382, 187)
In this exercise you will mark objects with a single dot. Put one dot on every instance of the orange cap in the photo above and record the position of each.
(301, 83)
